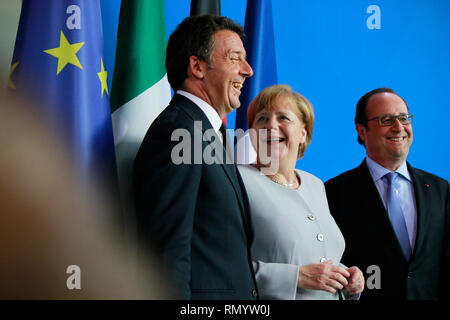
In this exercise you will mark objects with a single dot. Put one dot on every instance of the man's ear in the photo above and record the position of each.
(361, 129)
(196, 68)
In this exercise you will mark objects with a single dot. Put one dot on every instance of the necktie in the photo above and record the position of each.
(396, 215)
(226, 143)
(223, 131)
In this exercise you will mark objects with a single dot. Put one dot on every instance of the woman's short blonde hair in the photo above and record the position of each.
(303, 109)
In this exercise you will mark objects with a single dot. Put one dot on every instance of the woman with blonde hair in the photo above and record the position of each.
(298, 246)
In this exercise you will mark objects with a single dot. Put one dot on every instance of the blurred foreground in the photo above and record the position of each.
(50, 221)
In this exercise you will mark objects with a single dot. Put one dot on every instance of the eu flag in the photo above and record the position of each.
(58, 62)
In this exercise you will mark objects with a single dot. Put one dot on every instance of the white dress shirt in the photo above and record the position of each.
(207, 109)
(405, 193)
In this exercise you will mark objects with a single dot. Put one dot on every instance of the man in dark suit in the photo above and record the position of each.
(393, 217)
(194, 210)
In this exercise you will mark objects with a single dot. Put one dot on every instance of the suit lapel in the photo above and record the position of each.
(196, 114)
(233, 175)
(245, 207)
(372, 191)
(421, 190)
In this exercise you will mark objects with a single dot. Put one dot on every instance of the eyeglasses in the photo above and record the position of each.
(387, 120)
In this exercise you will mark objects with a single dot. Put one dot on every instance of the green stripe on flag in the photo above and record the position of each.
(140, 53)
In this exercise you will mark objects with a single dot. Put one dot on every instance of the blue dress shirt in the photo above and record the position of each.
(405, 191)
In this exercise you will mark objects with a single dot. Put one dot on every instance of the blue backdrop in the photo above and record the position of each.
(333, 52)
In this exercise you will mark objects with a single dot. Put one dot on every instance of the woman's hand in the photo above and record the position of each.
(355, 282)
(323, 276)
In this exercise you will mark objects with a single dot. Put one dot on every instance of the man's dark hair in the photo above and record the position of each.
(361, 107)
(194, 36)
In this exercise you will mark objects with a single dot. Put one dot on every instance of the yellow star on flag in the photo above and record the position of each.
(66, 53)
(11, 70)
(102, 75)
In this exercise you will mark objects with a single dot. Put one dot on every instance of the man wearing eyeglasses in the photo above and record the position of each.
(395, 218)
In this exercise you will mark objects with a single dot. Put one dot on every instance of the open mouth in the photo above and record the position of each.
(237, 86)
(270, 140)
(396, 139)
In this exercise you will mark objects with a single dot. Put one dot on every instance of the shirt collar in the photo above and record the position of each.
(378, 171)
(207, 109)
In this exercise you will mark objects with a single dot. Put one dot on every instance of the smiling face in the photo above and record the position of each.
(284, 132)
(226, 73)
(388, 146)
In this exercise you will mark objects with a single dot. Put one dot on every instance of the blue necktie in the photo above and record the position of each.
(396, 215)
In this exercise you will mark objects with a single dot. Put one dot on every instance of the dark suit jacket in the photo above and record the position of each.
(370, 239)
(196, 215)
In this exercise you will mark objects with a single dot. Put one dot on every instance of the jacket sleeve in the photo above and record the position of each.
(165, 195)
(276, 281)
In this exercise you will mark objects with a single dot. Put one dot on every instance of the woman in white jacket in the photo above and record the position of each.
(298, 246)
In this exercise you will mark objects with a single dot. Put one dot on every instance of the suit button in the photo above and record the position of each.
(311, 217)
(411, 275)
(320, 237)
(254, 293)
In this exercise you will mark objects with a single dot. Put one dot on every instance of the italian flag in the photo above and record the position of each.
(140, 90)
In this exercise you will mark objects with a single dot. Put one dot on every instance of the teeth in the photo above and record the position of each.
(396, 139)
(237, 85)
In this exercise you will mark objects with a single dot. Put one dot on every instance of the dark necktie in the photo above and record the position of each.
(396, 215)
(226, 144)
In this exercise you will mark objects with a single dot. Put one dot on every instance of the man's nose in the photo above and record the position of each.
(246, 70)
(397, 125)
